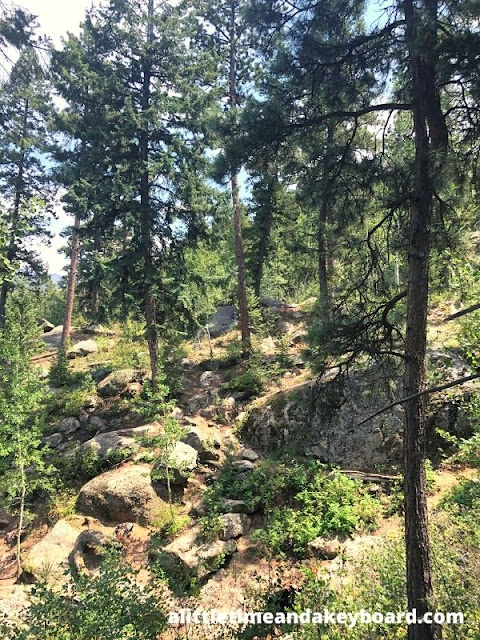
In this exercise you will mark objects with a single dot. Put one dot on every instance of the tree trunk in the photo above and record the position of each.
(425, 102)
(72, 283)
(19, 192)
(237, 210)
(146, 213)
(95, 301)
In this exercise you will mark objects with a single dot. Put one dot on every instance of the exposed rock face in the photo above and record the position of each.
(325, 548)
(104, 444)
(210, 379)
(116, 382)
(122, 495)
(234, 525)
(323, 420)
(48, 559)
(222, 321)
(46, 325)
(82, 349)
(194, 559)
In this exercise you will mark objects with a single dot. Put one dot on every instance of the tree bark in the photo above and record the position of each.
(72, 283)
(425, 103)
(322, 240)
(237, 209)
(146, 230)
(19, 192)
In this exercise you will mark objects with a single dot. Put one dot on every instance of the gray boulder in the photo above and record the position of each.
(69, 425)
(222, 321)
(210, 379)
(235, 506)
(82, 349)
(53, 338)
(104, 444)
(116, 382)
(48, 559)
(46, 325)
(182, 460)
(234, 525)
(125, 494)
(325, 548)
(185, 555)
(54, 440)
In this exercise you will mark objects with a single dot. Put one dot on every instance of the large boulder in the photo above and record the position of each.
(222, 321)
(48, 559)
(53, 338)
(69, 425)
(116, 382)
(323, 420)
(125, 494)
(104, 444)
(195, 559)
(182, 460)
(234, 525)
(82, 349)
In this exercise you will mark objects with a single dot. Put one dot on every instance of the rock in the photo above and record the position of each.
(268, 346)
(182, 461)
(248, 454)
(54, 440)
(48, 559)
(243, 465)
(95, 422)
(323, 420)
(194, 559)
(210, 379)
(228, 408)
(82, 349)
(90, 403)
(104, 444)
(222, 321)
(83, 416)
(209, 413)
(234, 525)
(325, 548)
(98, 330)
(89, 543)
(14, 601)
(176, 413)
(283, 327)
(195, 439)
(209, 456)
(53, 338)
(272, 303)
(235, 506)
(69, 425)
(125, 494)
(116, 382)
(198, 402)
(132, 390)
(298, 337)
(46, 325)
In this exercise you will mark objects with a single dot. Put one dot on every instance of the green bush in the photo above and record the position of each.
(109, 605)
(251, 382)
(332, 503)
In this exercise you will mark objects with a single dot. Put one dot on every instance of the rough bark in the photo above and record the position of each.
(237, 209)
(146, 230)
(428, 137)
(72, 283)
(322, 238)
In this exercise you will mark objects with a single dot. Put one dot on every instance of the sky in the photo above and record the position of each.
(56, 18)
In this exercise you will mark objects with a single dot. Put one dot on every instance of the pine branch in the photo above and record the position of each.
(440, 387)
(463, 312)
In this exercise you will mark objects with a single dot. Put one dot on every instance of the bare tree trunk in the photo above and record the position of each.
(426, 107)
(95, 302)
(237, 209)
(19, 192)
(72, 283)
(145, 216)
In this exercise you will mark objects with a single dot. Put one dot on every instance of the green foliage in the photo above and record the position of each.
(470, 339)
(71, 399)
(23, 470)
(331, 503)
(251, 382)
(108, 605)
(83, 465)
(59, 374)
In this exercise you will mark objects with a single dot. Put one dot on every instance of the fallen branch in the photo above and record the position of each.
(440, 387)
(463, 312)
